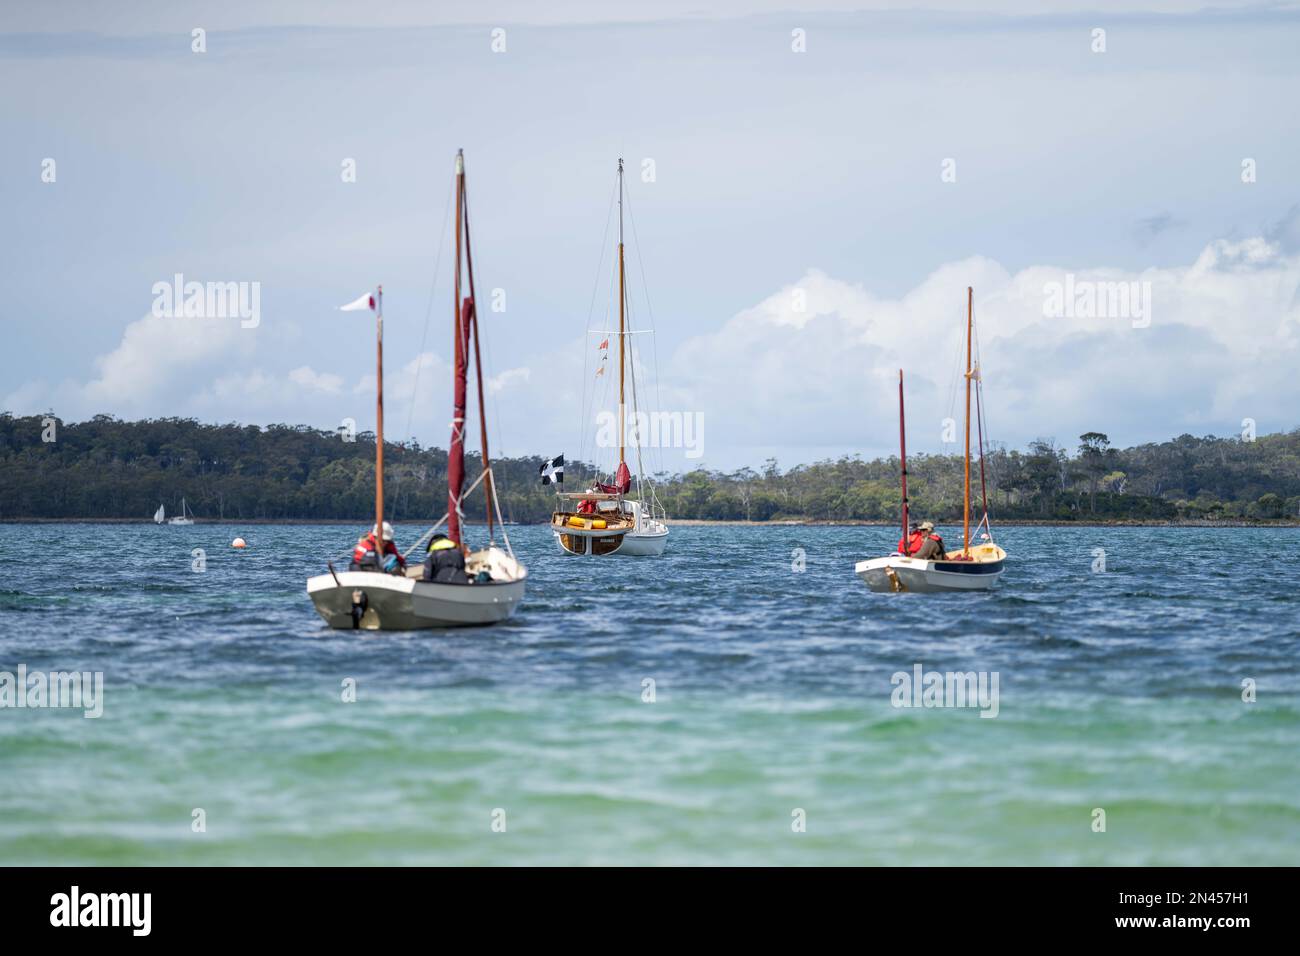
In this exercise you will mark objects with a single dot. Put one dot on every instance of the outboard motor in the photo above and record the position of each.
(359, 604)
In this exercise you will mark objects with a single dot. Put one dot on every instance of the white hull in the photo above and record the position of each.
(639, 545)
(181, 519)
(897, 573)
(395, 603)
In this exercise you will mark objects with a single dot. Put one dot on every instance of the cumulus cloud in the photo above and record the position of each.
(157, 352)
(216, 371)
(151, 371)
(816, 363)
(809, 371)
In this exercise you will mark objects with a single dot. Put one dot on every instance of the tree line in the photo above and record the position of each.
(108, 468)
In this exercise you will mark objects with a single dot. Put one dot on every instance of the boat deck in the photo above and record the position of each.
(603, 523)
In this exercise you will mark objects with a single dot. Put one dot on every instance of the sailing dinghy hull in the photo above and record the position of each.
(395, 603)
(898, 574)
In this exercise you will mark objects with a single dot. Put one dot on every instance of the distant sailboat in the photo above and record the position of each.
(185, 517)
(968, 569)
(159, 515)
(606, 521)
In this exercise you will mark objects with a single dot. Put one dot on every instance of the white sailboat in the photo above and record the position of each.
(159, 515)
(603, 520)
(969, 568)
(185, 517)
(375, 600)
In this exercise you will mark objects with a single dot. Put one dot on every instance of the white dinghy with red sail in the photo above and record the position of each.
(403, 601)
(970, 568)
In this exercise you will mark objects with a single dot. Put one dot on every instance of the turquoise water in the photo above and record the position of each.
(223, 691)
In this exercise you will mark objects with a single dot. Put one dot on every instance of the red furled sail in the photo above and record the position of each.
(622, 482)
(456, 454)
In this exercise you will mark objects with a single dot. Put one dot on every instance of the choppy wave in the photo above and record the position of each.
(1120, 691)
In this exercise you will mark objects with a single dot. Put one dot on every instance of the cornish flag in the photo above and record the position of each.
(553, 471)
(367, 301)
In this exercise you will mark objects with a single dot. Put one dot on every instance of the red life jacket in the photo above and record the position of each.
(912, 545)
(367, 544)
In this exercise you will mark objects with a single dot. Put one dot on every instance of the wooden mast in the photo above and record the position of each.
(965, 502)
(622, 424)
(478, 362)
(902, 460)
(379, 427)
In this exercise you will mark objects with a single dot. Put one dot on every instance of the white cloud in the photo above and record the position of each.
(308, 378)
(158, 352)
(258, 395)
(499, 383)
(151, 372)
(1222, 344)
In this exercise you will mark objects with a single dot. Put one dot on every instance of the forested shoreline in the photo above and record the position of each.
(105, 468)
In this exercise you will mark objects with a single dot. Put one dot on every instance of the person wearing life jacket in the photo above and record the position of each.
(365, 557)
(912, 541)
(931, 547)
(445, 561)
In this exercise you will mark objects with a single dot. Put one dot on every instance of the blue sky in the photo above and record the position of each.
(778, 175)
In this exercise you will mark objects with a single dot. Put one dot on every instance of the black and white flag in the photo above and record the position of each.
(553, 471)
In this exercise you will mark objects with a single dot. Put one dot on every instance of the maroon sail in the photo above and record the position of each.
(456, 452)
(622, 483)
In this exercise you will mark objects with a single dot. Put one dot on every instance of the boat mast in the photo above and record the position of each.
(379, 425)
(902, 459)
(622, 425)
(979, 424)
(965, 501)
(456, 451)
(478, 362)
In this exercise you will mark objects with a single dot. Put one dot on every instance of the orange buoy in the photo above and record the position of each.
(239, 543)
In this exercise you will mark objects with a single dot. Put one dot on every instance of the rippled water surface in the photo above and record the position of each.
(1119, 691)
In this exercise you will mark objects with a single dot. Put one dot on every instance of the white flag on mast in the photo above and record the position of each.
(367, 301)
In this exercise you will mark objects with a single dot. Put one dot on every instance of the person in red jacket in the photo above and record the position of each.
(913, 541)
(364, 555)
